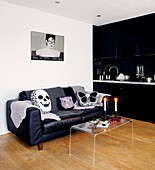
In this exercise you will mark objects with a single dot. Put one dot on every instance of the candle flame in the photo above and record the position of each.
(116, 99)
(105, 99)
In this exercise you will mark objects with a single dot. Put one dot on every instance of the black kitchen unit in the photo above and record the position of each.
(125, 45)
(134, 100)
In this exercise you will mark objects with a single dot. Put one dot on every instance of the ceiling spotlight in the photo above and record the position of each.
(57, 2)
(98, 15)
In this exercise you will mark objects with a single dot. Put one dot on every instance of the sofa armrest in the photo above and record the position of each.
(10, 124)
(30, 130)
(35, 125)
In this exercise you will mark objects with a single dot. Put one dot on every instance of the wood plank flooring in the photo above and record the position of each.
(111, 153)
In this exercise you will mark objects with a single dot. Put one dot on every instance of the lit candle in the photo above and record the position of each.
(105, 103)
(116, 100)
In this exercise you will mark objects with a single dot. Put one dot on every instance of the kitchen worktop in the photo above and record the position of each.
(125, 82)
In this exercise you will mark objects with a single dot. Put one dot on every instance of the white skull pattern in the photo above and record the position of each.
(41, 99)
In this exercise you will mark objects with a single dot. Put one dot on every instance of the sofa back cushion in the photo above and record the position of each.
(54, 94)
(77, 89)
(25, 95)
(69, 92)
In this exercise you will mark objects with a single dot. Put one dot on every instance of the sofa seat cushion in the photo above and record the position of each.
(54, 126)
(95, 113)
(65, 114)
(69, 118)
(92, 110)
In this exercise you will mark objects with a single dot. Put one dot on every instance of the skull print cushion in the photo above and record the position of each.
(41, 99)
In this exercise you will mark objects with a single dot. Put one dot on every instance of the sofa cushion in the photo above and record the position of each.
(65, 114)
(41, 99)
(54, 93)
(89, 111)
(25, 95)
(94, 113)
(69, 92)
(70, 118)
(66, 102)
(54, 126)
(76, 89)
(87, 98)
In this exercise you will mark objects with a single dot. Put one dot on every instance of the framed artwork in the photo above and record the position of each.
(46, 46)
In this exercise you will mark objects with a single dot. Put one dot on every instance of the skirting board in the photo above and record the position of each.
(3, 130)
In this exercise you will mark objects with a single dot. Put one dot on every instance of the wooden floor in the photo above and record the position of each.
(111, 153)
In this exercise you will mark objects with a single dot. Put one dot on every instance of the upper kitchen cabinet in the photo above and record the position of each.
(133, 37)
(97, 42)
(126, 45)
(146, 45)
(126, 39)
(136, 36)
(109, 43)
(145, 30)
(104, 42)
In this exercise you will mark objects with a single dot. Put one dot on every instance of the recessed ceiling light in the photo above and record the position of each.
(57, 2)
(98, 15)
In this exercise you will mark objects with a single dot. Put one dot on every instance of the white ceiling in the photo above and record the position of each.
(86, 10)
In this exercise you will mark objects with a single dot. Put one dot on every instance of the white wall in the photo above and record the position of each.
(18, 72)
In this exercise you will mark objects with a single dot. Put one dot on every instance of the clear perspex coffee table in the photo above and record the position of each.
(82, 143)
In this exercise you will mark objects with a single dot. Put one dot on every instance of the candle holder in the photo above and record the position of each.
(105, 115)
(115, 114)
(116, 118)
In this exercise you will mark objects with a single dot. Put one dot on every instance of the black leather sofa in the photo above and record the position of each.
(34, 131)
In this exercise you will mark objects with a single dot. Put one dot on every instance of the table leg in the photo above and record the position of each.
(94, 150)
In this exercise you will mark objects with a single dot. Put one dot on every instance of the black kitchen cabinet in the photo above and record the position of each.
(109, 46)
(126, 44)
(116, 90)
(145, 30)
(97, 42)
(146, 45)
(137, 35)
(104, 42)
(135, 100)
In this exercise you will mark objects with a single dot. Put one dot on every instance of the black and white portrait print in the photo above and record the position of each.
(46, 46)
